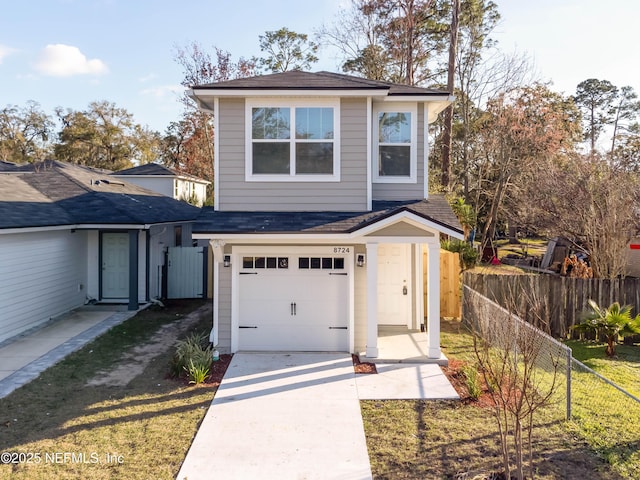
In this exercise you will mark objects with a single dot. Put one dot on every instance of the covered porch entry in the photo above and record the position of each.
(400, 331)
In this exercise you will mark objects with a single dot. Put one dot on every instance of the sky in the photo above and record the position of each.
(68, 53)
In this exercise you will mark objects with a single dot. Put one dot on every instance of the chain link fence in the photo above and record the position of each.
(546, 361)
(600, 411)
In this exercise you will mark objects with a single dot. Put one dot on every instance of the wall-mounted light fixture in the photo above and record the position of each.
(361, 259)
(227, 260)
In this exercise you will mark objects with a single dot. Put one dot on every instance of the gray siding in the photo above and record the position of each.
(42, 275)
(360, 305)
(350, 194)
(224, 312)
(406, 191)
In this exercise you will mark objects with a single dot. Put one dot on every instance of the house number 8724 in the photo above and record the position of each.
(341, 250)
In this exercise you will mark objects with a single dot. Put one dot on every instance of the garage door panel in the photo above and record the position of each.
(287, 338)
(294, 309)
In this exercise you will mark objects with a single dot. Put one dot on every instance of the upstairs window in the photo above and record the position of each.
(294, 142)
(395, 132)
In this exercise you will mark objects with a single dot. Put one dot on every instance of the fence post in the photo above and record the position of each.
(569, 371)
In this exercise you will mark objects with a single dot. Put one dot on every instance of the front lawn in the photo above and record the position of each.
(623, 369)
(58, 426)
(458, 440)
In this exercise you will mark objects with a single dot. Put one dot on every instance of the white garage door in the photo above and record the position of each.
(293, 302)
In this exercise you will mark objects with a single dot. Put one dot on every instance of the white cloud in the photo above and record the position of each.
(65, 60)
(5, 51)
(147, 78)
(163, 91)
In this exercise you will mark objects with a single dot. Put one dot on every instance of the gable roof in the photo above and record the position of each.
(56, 194)
(435, 210)
(155, 169)
(300, 80)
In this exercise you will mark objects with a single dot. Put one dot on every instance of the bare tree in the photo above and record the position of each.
(194, 154)
(589, 201)
(394, 40)
(448, 114)
(521, 367)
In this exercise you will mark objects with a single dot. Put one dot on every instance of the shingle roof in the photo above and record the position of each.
(436, 209)
(56, 193)
(157, 170)
(316, 81)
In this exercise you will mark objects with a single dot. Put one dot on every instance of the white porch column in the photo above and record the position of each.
(418, 301)
(433, 300)
(218, 254)
(372, 300)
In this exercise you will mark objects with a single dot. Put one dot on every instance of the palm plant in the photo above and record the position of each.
(612, 322)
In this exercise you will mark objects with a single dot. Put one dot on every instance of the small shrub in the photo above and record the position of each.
(197, 372)
(472, 381)
(193, 355)
(468, 254)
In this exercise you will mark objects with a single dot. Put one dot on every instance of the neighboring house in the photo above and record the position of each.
(167, 182)
(71, 234)
(633, 258)
(322, 212)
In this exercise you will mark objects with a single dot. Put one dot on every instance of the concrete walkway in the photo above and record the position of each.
(282, 416)
(25, 357)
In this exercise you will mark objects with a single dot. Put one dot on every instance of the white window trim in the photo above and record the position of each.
(390, 107)
(251, 103)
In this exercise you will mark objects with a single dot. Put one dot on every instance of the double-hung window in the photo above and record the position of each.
(293, 141)
(395, 134)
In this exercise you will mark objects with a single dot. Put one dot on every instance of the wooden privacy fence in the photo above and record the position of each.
(449, 283)
(561, 299)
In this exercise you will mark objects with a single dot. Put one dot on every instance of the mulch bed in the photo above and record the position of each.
(455, 374)
(363, 367)
(218, 370)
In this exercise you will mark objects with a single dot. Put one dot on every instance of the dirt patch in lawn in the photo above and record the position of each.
(135, 360)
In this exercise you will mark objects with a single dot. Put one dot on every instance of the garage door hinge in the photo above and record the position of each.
(338, 328)
(246, 326)
(248, 273)
(336, 273)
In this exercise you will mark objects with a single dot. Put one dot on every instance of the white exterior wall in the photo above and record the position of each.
(93, 264)
(159, 239)
(42, 275)
(188, 189)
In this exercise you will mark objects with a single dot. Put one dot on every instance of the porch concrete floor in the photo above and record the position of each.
(24, 357)
(401, 345)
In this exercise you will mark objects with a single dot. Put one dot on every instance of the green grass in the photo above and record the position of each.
(623, 369)
(605, 417)
(440, 440)
(139, 431)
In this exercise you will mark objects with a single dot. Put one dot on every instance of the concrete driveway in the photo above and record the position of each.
(282, 416)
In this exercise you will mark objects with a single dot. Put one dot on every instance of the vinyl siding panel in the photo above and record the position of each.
(224, 312)
(42, 275)
(406, 191)
(360, 305)
(349, 194)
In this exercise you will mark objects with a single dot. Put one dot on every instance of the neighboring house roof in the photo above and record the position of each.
(155, 169)
(435, 209)
(55, 193)
(300, 80)
(8, 167)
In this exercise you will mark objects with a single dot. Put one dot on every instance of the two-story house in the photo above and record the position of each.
(322, 212)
